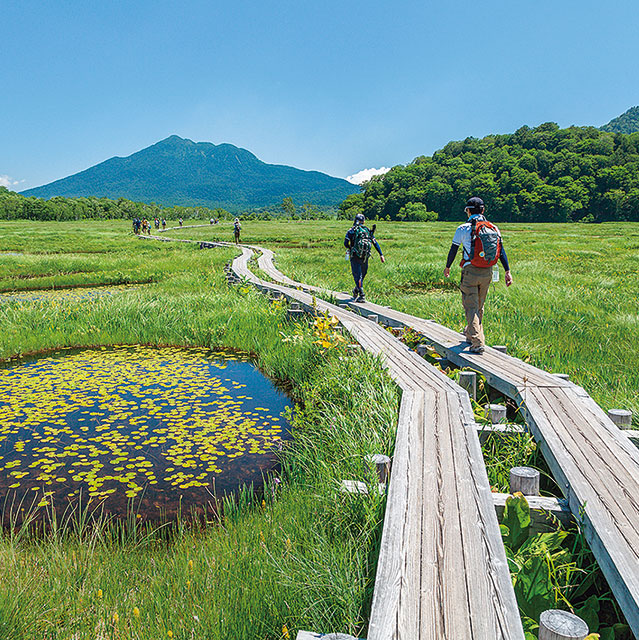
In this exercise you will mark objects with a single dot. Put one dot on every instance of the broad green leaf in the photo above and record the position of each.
(589, 611)
(533, 587)
(517, 518)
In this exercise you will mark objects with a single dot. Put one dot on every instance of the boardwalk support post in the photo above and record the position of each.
(294, 312)
(525, 480)
(468, 380)
(562, 376)
(382, 465)
(502, 348)
(555, 624)
(496, 413)
(621, 417)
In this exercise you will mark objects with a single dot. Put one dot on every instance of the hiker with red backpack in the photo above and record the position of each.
(359, 241)
(482, 247)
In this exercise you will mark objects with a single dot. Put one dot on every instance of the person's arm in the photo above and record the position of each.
(452, 252)
(503, 258)
(348, 239)
(379, 250)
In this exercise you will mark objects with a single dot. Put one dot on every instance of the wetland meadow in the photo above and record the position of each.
(182, 440)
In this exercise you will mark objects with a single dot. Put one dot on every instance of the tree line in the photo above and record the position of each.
(14, 206)
(541, 174)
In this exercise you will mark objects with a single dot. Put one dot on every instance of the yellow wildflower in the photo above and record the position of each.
(136, 612)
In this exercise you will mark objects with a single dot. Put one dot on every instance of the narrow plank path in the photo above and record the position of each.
(442, 571)
(592, 460)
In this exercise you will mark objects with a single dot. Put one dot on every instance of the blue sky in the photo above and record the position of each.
(330, 86)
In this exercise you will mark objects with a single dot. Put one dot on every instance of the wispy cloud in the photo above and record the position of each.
(9, 182)
(367, 174)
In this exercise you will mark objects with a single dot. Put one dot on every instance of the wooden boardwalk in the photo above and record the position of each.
(592, 460)
(442, 572)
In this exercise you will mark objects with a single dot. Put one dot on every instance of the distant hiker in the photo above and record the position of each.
(237, 227)
(180, 221)
(163, 224)
(157, 223)
(212, 221)
(482, 247)
(144, 225)
(359, 241)
(136, 226)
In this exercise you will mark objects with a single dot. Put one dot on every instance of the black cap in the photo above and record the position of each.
(475, 203)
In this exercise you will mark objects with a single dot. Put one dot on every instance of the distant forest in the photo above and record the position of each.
(543, 174)
(14, 206)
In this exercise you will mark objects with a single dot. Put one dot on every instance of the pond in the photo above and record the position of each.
(150, 430)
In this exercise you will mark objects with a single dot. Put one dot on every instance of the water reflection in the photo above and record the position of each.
(153, 429)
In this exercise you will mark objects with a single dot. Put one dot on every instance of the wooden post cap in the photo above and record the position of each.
(496, 413)
(524, 480)
(468, 380)
(621, 417)
(555, 624)
(382, 465)
(563, 376)
(373, 317)
(502, 348)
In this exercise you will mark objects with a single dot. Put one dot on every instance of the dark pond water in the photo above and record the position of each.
(143, 429)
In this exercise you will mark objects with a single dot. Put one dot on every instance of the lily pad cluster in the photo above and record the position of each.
(120, 421)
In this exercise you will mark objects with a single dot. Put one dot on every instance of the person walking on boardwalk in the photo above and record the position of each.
(359, 241)
(482, 247)
(237, 227)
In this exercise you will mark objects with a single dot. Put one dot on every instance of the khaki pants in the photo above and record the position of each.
(474, 285)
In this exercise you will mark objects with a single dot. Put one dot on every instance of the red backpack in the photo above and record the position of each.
(485, 244)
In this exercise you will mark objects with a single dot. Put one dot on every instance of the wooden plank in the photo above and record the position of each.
(392, 563)
(591, 502)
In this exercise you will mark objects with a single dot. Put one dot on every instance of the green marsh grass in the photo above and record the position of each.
(297, 554)
(305, 556)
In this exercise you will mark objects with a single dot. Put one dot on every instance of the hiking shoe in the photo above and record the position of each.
(479, 349)
(360, 298)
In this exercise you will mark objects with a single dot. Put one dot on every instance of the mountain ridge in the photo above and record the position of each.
(627, 122)
(179, 171)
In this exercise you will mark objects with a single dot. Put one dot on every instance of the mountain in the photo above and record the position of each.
(627, 122)
(178, 171)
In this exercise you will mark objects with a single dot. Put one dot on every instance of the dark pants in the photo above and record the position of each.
(359, 269)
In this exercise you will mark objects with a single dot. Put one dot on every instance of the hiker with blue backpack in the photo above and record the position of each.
(482, 248)
(359, 242)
